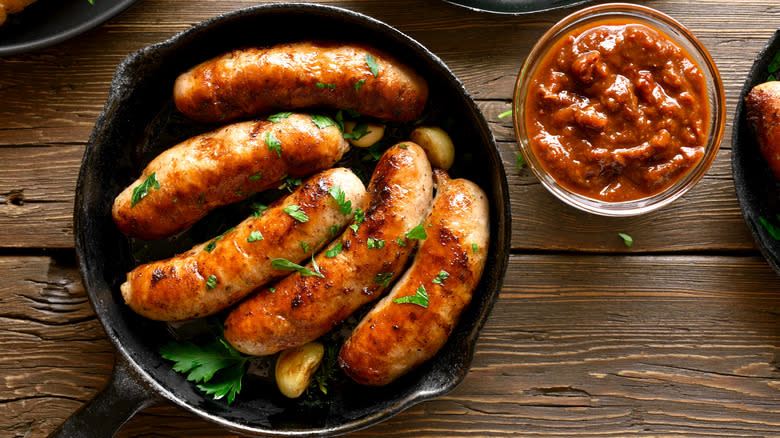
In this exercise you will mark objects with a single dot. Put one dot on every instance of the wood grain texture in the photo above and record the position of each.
(678, 335)
(615, 345)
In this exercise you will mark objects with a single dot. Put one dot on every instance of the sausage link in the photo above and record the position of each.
(251, 81)
(222, 167)
(394, 338)
(303, 308)
(240, 260)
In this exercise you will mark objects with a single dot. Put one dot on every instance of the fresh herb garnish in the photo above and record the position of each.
(322, 85)
(345, 205)
(359, 131)
(375, 243)
(504, 114)
(211, 282)
(333, 252)
(520, 161)
(304, 246)
(258, 209)
(289, 183)
(420, 298)
(417, 232)
(383, 279)
(296, 213)
(333, 229)
(141, 190)
(322, 122)
(273, 143)
(217, 366)
(374, 153)
(627, 240)
(400, 242)
(772, 229)
(404, 146)
(474, 248)
(359, 218)
(278, 117)
(359, 84)
(213, 244)
(371, 62)
(254, 236)
(201, 198)
(256, 176)
(774, 67)
(286, 265)
(272, 289)
(443, 275)
(326, 373)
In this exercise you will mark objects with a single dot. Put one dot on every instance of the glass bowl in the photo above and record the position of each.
(674, 31)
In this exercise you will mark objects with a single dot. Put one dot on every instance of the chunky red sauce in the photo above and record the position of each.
(617, 111)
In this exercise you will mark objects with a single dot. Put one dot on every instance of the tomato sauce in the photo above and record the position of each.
(616, 111)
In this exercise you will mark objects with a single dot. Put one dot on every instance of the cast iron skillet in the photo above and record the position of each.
(47, 22)
(138, 117)
(756, 186)
(515, 7)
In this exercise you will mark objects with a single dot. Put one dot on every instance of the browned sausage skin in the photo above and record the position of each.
(222, 167)
(394, 338)
(251, 81)
(302, 308)
(763, 114)
(240, 260)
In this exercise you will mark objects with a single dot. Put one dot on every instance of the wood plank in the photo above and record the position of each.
(575, 346)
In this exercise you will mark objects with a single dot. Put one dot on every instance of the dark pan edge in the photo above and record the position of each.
(498, 7)
(120, 91)
(745, 151)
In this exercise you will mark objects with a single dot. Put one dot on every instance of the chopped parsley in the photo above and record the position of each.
(333, 252)
(627, 240)
(504, 114)
(374, 153)
(359, 84)
(774, 67)
(520, 161)
(371, 62)
(256, 176)
(400, 242)
(474, 248)
(383, 279)
(443, 275)
(375, 243)
(359, 131)
(345, 205)
(273, 143)
(278, 117)
(322, 85)
(211, 282)
(201, 198)
(254, 236)
(359, 218)
(141, 190)
(333, 229)
(304, 246)
(417, 232)
(272, 289)
(296, 213)
(258, 209)
(322, 122)
(420, 298)
(213, 244)
(289, 183)
(772, 229)
(286, 265)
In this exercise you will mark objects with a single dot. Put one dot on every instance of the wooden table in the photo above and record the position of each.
(677, 335)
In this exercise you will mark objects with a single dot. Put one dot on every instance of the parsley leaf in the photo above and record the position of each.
(258, 209)
(333, 252)
(278, 117)
(211, 282)
(359, 131)
(322, 122)
(273, 143)
(371, 62)
(504, 114)
(375, 243)
(321, 85)
(289, 183)
(141, 190)
(359, 84)
(296, 213)
(627, 240)
(217, 366)
(520, 161)
(420, 298)
(254, 236)
(383, 279)
(286, 265)
(443, 275)
(417, 232)
(341, 199)
(400, 242)
(774, 65)
(474, 248)
(359, 218)
(374, 153)
(304, 246)
(213, 244)
(256, 176)
(773, 230)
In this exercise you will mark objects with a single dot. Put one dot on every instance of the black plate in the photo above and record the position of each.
(757, 188)
(516, 6)
(47, 22)
(138, 119)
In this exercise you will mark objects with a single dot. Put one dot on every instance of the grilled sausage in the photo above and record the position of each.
(763, 114)
(252, 81)
(394, 338)
(222, 167)
(302, 308)
(240, 260)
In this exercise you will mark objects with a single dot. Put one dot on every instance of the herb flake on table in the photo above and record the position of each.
(627, 240)
(420, 298)
(505, 114)
(141, 190)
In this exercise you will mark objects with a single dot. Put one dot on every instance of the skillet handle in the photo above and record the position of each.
(102, 416)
